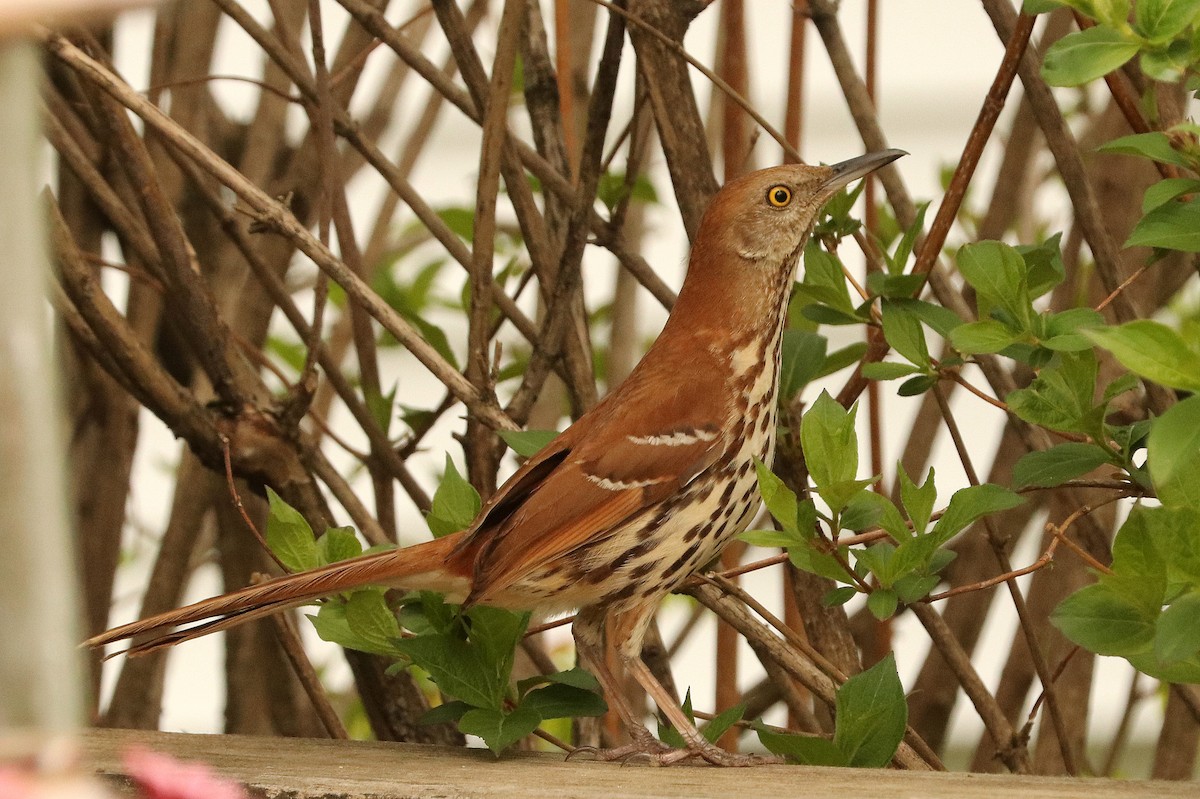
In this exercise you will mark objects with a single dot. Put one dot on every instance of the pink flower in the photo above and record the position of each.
(160, 776)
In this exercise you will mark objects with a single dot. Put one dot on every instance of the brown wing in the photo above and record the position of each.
(627, 454)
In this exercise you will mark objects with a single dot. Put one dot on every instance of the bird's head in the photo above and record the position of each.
(767, 215)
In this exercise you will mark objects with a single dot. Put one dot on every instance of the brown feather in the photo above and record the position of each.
(413, 566)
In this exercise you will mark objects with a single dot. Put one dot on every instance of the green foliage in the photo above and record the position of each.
(871, 718)
(468, 654)
(455, 504)
(1154, 351)
(906, 567)
(714, 729)
(289, 535)
(527, 443)
(802, 360)
(615, 188)
(1145, 609)
(1058, 464)
(1163, 36)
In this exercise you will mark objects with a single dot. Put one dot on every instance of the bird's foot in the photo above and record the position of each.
(658, 753)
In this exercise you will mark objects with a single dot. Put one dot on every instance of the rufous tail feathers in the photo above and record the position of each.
(419, 566)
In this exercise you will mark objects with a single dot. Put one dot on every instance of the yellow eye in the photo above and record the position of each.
(779, 196)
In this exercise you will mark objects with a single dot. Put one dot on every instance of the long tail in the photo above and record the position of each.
(430, 565)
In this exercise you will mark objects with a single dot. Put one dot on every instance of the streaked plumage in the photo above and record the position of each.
(644, 489)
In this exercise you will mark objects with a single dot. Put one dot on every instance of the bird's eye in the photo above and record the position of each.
(779, 196)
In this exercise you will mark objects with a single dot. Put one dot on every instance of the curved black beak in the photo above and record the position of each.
(849, 171)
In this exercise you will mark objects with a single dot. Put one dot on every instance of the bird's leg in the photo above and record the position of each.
(630, 629)
(588, 631)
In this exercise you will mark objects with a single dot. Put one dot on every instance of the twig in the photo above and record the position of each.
(237, 503)
(1069, 161)
(981, 132)
(289, 640)
(279, 217)
(1027, 626)
(713, 77)
(1124, 285)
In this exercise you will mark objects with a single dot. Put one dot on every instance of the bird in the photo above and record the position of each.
(643, 490)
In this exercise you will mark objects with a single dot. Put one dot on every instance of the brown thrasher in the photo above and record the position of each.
(639, 493)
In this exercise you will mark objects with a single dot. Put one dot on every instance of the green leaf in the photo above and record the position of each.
(1177, 635)
(455, 503)
(612, 189)
(840, 359)
(667, 732)
(1061, 397)
(1103, 620)
(940, 320)
(1167, 63)
(882, 603)
(499, 730)
(1044, 265)
(1155, 146)
(576, 678)
(1072, 320)
(811, 750)
(380, 407)
(1139, 569)
(719, 724)
(983, 337)
(1058, 464)
(527, 443)
(1161, 20)
(824, 280)
(917, 385)
(918, 500)
(888, 370)
(875, 509)
(1184, 671)
(871, 715)
(839, 596)
(808, 558)
(904, 247)
(1166, 190)
(1086, 55)
(904, 332)
(842, 494)
(912, 587)
(830, 446)
(1173, 531)
(337, 544)
(372, 622)
(780, 500)
(330, 624)
(1173, 452)
(901, 287)
(999, 276)
(1153, 350)
(289, 536)
(475, 669)
(970, 503)
(802, 358)
(1173, 225)
(1041, 6)
(558, 701)
(445, 713)
(771, 538)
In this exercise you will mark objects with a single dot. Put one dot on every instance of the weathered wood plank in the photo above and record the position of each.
(287, 768)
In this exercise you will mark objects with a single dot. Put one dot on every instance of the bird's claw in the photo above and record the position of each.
(661, 754)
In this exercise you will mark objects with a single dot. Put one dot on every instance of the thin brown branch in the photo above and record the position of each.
(272, 213)
(1026, 621)
(236, 498)
(289, 640)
